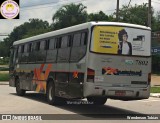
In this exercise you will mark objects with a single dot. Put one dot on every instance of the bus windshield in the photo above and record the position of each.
(121, 40)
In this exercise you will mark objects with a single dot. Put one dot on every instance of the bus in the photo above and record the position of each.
(93, 60)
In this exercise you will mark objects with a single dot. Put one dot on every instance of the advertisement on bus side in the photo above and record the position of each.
(121, 40)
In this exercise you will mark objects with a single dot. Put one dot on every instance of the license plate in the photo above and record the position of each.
(120, 93)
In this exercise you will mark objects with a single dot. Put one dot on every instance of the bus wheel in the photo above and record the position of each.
(97, 100)
(51, 93)
(19, 91)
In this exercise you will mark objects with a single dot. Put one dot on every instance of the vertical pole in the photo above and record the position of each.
(117, 11)
(149, 13)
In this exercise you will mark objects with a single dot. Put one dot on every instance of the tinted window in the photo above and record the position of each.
(77, 39)
(42, 45)
(58, 42)
(70, 40)
(79, 47)
(22, 49)
(37, 46)
(25, 48)
(64, 42)
(51, 43)
(19, 49)
(84, 38)
(29, 47)
(47, 44)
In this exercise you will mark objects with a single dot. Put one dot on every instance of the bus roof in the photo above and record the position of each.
(76, 28)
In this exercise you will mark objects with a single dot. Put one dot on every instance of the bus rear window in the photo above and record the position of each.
(121, 40)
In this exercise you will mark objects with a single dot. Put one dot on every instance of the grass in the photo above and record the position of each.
(155, 90)
(4, 76)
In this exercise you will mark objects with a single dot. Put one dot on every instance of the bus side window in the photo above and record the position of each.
(19, 49)
(19, 53)
(30, 47)
(42, 45)
(16, 55)
(22, 48)
(69, 40)
(84, 39)
(64, 50)
(64, 42)
(76, 39)
(47, 43)
(32, 52)
(41, 52)
(51, 44)
(79, 46)
(58, 42)
(52, 51)
(24, 56)
(37, 47)
(25, 48)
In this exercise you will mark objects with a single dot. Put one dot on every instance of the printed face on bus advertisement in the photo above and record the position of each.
(121, 40)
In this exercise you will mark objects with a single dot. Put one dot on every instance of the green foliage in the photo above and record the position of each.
(4, 77)
(101, 16)
(3, 49)
(156, 64)
(138, 14)
(134, 14)
(156, 22)
(28, 29)
(155, 90)
(4, 61)
(69, 15)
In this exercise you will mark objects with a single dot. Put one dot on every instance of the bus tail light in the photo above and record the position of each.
(90, 75)
(149, 78)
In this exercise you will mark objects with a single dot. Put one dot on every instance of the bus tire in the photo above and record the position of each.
(51, 98)
(97, 100)
(19, 91)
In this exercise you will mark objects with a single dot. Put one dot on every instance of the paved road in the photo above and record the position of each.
(34, 103)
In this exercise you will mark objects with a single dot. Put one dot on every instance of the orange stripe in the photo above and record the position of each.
(47, 71)
(41, 68)
(38, 74)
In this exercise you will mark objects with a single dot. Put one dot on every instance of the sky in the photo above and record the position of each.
(45, 9)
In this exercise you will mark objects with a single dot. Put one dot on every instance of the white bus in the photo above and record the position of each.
(94, 60)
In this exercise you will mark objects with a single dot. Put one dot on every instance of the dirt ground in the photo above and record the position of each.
(4, 71)
(155, 80)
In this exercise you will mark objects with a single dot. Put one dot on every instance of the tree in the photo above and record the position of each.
(101, 16)
(28, 29)
(156, 24)
(3, 51)
(134, 14)
(69, 15)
